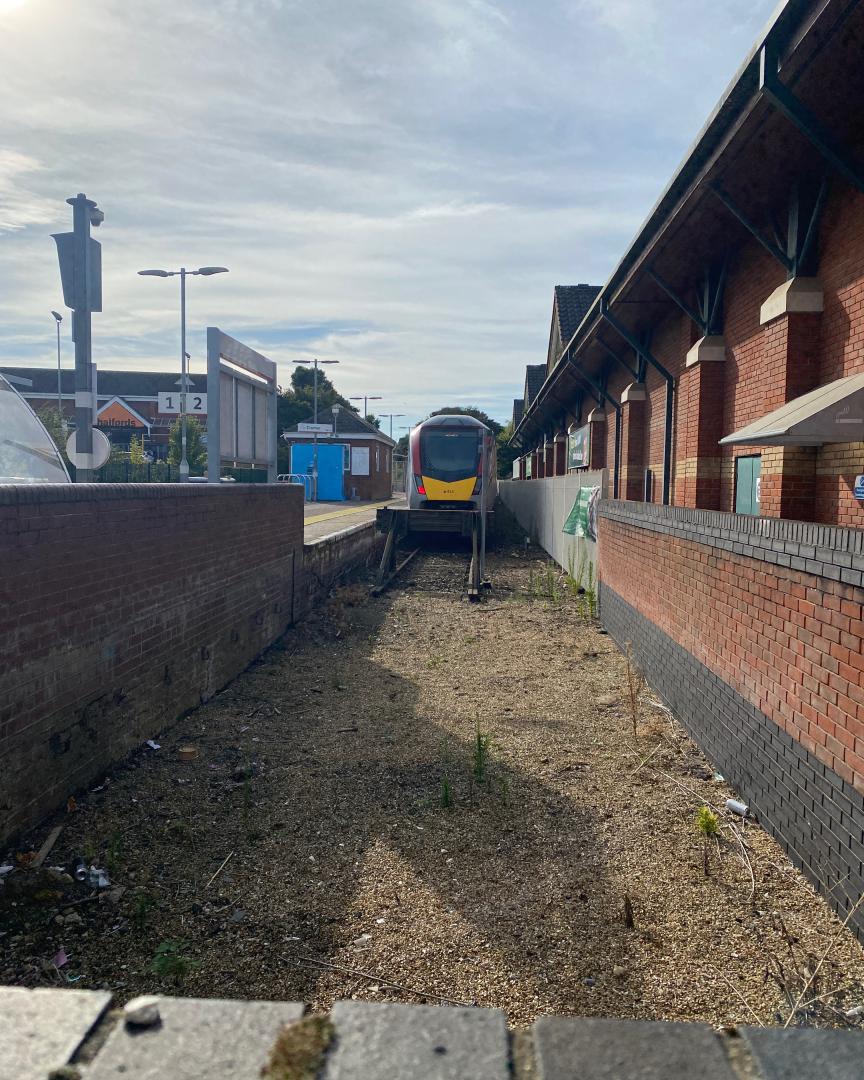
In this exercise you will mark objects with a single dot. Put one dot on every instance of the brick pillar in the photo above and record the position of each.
(787, 487)
(596, 440)
(633, 442)
(700, 411)
(549, 456)
(560, 454)
(792, 317)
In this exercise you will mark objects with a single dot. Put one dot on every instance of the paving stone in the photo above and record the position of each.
(571, 1048)
(40, 1030)
(800, 1054)
(421, 1042)
(197, 1040)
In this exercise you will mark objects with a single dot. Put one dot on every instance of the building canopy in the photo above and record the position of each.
(833, 413)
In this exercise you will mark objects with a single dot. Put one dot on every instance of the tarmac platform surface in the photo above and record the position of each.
(328, 518)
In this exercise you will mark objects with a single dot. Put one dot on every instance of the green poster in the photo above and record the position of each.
(581, 521)
(577, 448)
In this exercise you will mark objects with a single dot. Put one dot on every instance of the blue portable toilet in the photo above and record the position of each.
(331, 467)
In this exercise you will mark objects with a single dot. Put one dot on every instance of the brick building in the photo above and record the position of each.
(367, 456)
(127, 401)
(718, 376)
(741, 293)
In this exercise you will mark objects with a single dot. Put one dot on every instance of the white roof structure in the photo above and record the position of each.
(833, 413)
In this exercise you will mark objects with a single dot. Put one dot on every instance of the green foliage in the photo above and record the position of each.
(196, 451)
(297, 403)
(136, 450)
(372, 419)
(446, 792)
(172, 962)
(142, 905)
(480, 754)
(708, 827)
(707, 822)
(506, 454)
(54, 425)
(114, 853)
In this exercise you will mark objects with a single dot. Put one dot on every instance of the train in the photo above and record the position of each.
(452, 464)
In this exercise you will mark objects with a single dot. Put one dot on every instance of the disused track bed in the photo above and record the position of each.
(335, 788)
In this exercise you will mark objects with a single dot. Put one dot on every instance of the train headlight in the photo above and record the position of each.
(418, 483)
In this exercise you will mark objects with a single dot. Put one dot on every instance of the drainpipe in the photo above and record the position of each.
(647, 356)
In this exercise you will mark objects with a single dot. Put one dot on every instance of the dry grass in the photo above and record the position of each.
(322, 770)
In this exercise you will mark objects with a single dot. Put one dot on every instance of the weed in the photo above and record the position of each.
(635, 684)
(172, 962)
(446, 793)
(591, 593)
(114, 853)
(708, 827)
(143, 904)
(480, 754)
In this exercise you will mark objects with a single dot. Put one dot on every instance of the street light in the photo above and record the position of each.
(183, 273)
(390, 415)
(366, 398)
(58, 319)
(315, 363)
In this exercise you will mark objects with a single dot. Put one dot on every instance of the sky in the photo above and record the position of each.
(394, 184)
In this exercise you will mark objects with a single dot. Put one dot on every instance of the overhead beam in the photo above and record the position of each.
(754, 231)
(807, 122)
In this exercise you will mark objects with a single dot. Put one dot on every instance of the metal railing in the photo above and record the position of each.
(297, 478)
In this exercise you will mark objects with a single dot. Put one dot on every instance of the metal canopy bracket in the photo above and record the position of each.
(811, 127)
(708, 315)
(646, 354)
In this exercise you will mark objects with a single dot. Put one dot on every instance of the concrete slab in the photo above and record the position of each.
(197, 1040)
(801, 1054)
(40, 1030)
(576, 1048)
(326, 519)
(423, 1042)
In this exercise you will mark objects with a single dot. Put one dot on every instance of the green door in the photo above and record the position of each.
(748, 471)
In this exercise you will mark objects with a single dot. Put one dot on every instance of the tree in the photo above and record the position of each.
(196, 451)
(373, 420)
(136, 450)
(506, 454)
(297, 403)
(471, 410)
(53, 424)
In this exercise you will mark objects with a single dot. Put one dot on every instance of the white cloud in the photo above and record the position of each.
(394, 185)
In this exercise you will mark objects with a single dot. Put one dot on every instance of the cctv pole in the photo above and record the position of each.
(184, 461)
(85, 406)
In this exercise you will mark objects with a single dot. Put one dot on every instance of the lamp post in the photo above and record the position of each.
(390, 416)
(58, 318)
(365, 398)
(315, 363)
(183, 273)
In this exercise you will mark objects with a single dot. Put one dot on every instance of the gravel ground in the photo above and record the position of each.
(322, 775)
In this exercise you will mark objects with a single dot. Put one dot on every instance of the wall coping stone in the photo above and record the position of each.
(821, 550)
(30, 494)
(201, 1039)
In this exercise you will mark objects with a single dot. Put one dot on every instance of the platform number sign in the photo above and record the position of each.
(169, 403)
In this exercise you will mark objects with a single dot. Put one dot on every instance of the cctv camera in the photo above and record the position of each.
(97, 216)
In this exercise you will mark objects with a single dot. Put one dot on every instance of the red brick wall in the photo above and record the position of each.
(121, 606)
(788, 642)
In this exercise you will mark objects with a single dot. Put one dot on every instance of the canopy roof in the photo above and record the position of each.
(833, 413)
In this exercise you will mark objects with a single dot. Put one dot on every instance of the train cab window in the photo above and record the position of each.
(449, 455)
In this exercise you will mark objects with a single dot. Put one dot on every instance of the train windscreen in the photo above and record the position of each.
(449, 455)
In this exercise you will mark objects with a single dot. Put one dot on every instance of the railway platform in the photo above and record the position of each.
(324, 519)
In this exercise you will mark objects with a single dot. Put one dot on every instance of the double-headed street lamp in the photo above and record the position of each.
(58, 318)
(183, 273)
(315, 363)
(365, 398)
(390, 416)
